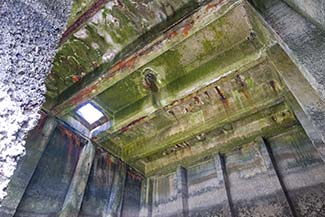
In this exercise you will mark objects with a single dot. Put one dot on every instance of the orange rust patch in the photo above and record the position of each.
(73, 139)
(76, 78)
(187, 29)
(134, 175)
(172, 34)
(213, 5)
(130, 125)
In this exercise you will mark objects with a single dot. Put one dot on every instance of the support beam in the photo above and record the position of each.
(312, 10)
(309, 101)
(313, 134)
(25, 170)
(268, 157)
(182, 191)
(223, 180)
(113, 208)
(302, 40)
(146, 198)
(74, 197)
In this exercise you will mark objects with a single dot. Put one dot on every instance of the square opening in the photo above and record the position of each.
(90, 113)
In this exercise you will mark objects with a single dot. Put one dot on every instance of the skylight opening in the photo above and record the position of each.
(90, 113)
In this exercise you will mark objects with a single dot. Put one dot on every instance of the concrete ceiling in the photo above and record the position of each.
(175, 80)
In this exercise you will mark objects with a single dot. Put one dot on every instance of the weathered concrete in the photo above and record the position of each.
(303, 41)
(309, 101)
(99, 185)
(207, 194)
(50, 182)
(302, 171)
(61, 175)
(182, 191)
(313, 133)
(113, 208)
(188, 107)
(36, 144)
(132, 194)
(165, 201)
(74, 196)
(29, 33)
(313, 10)
(254, 186)
(146, 198)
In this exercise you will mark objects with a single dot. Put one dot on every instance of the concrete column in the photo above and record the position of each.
(146, 198)
(312, 10)
(301, 39)
(223, 181)
(182, 191)
(113, 208)
(308, 100)
(309, 128)
(74, 196)
(270, 162)
(25, 169)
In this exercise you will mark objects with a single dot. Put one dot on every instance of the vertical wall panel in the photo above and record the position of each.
(46, 191)
(302, 171)
(254, 186)
(165, 203)
(131, 201)
(207, 196)
(99, 185)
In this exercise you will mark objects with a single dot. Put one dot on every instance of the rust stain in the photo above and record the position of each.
(76, 78)
(172, 34)
(127, 62)
(83, 94)
(130, 125)
(214, 5)
(243, 86)
(108, 160)
(73, 139)
(273, 85)
(222, 96)
(134, 175)
(187, 29)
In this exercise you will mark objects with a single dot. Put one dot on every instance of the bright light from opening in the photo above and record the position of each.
(90, 113)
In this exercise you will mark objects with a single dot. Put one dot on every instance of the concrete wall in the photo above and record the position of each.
(314, 10)
(283, 175)
(302, 171)
(46, 190)
(60, 176)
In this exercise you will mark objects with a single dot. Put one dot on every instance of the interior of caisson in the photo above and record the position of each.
(187, 108)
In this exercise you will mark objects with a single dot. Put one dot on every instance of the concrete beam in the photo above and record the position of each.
(182, 191)
(269, 160)
(313, 134)
(313, 10)
(308, 99)
(111, 75)
(302, 40)
(244, 130)
(25, 170)
(74, 197)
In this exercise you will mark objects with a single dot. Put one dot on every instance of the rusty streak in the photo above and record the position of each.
(183, 27)
(130, 125)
